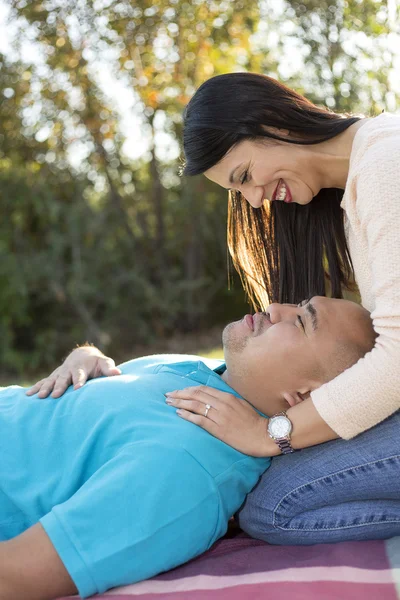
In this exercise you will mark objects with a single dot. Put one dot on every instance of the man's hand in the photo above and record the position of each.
(86, 362)
(30, 568)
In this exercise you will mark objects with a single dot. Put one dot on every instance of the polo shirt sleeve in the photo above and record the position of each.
(149, 509)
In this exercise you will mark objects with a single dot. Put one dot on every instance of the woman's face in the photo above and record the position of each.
(269, 170)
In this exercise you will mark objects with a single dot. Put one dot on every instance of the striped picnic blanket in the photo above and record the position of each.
(242, 568)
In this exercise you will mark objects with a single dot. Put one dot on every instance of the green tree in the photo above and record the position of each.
(347, 54)
(98, 246)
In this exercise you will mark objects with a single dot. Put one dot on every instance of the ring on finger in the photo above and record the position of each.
(208, 406)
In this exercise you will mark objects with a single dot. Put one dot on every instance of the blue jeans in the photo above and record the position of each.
(337, 491)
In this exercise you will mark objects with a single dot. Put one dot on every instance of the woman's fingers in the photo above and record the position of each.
(203, 422)
(201, 393)
(196, 407)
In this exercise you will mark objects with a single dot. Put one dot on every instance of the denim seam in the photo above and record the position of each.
(353, 526)
(395, 456)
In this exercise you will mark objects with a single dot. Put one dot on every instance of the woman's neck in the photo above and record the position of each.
(334, 157)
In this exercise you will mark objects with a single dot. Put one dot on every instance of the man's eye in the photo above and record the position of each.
(300, 320)
(303, 303)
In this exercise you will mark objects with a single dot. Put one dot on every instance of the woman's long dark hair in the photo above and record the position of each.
(283, 252)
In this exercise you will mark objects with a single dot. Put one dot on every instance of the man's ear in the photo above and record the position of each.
(293, 398)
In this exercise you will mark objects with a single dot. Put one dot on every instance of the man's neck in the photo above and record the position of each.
(225, 377)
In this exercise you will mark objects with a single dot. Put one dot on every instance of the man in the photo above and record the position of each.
(107, 486)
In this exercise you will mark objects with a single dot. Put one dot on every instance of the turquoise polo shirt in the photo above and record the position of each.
(124, 488)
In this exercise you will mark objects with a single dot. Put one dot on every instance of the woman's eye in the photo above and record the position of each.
(244, 177)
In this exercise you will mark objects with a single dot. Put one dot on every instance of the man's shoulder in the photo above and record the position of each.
(155, 362)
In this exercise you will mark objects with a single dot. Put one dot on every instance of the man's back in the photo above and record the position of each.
(114, 475)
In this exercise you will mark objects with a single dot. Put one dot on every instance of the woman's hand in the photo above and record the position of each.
(86, 362)
(229, 418)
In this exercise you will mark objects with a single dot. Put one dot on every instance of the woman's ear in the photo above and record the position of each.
(283, 132)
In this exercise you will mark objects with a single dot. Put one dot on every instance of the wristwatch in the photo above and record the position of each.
(279, 429)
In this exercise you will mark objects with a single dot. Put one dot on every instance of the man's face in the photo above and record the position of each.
(287, 351)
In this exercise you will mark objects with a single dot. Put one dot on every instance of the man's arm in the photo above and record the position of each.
(31, 568)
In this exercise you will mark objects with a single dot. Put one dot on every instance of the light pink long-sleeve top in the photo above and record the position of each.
(369, 391)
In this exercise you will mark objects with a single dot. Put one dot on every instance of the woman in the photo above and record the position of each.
(322, 195)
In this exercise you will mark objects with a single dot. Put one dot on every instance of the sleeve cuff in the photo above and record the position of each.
(72, 560)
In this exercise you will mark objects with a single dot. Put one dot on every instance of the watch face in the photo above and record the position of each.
(279, 427)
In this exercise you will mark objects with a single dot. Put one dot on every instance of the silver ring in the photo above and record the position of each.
(208, 406)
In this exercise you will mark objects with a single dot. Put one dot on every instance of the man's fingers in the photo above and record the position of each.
(62, 382)
(34, 389)
(114, 371)
(107, 367)
(46, 388)
(79, 378)
(80, 366)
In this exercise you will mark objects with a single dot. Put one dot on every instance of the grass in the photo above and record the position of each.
(213, 353)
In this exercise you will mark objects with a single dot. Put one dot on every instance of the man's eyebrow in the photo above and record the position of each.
(310, 309)
(231, 178)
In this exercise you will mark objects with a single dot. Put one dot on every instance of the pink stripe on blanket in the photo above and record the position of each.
(242, 568)
(283, 591)
(245, 555)
(295, 574)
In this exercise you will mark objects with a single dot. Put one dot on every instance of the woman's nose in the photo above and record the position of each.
(254, 196)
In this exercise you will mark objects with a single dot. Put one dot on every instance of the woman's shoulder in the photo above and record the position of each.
(376, 143)
(373, 159)
(383, 130)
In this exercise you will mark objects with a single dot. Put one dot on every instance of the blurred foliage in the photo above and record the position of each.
(98, 246)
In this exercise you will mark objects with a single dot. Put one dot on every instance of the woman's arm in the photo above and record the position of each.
(238, 424)
(368, 393)
(309, 429)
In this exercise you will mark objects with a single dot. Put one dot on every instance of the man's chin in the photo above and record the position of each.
(228, 336)
(232, 339)
(225, 335)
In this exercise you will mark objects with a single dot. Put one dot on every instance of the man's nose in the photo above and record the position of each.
(281, 312)
(254, 196)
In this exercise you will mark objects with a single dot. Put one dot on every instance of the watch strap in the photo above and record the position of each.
(284, 445)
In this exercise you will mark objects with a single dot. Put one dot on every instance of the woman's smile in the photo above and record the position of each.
(282, 192)
(268, 171)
